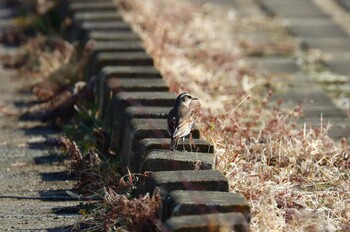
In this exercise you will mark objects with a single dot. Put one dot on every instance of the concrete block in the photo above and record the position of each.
(81, 30)
(147, 112)
(125, 72)
(317, 102)
(340, 66)
(111, 15)
(148, 144)
(291, 9)
(165, 160)
(118, 102)
(114, 116)
(181, 203)
(314, 97)
(328, 112)
(105, 25)
(114, 86)
(92, 6)
(138, 129)
(330, 30)
(330, 45)
(106, 35)
(117, 85)
(208, 223)
(201, 180)
(101, 59)
(345, 4)
(274, 65)
(117, 46)
(131, 72)
(121, 100)
(200, 145)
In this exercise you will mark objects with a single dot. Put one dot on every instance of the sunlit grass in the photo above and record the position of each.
(296, 178)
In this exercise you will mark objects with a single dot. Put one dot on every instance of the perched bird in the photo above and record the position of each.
(180, 119)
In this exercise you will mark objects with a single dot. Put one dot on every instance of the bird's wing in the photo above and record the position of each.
(184, 127)
(171, 124)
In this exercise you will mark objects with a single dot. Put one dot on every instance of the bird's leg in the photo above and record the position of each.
(174, 143)
(191, 141)
(183, 143)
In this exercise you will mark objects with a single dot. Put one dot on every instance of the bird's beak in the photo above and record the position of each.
(194, 98)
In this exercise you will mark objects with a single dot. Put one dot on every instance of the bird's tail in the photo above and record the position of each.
(173, 143)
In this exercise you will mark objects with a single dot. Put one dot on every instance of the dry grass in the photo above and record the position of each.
(123, 214)
(56, 73)
(99, 178)
(296, 179)
(40, 56)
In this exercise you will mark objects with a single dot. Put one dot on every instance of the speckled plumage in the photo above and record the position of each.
(180, 119)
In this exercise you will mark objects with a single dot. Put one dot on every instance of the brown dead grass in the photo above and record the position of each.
(296, 179)
(56, 76)
(99, 178)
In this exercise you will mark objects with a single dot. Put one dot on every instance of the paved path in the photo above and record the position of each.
(33, 176)
(32, 172)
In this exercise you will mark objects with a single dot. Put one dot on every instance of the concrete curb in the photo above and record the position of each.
(134, 101)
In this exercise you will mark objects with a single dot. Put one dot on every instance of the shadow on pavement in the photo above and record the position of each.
(56, 176)
(49, 159)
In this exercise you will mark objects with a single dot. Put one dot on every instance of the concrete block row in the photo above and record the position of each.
(345, 4)
(315, 29)
(134, 102)
(113, 36)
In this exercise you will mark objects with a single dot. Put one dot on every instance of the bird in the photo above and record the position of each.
(180, 119)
